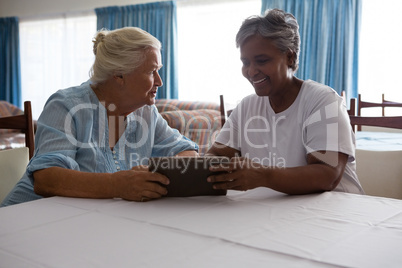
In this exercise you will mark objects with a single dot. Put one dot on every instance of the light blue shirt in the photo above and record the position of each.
(73, 133)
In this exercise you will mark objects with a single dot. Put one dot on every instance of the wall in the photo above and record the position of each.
(32, 8)
(25, 9)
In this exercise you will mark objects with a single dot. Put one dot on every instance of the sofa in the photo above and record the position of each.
(9, 138)
(198, 121)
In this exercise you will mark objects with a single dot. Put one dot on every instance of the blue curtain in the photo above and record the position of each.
(329, 33)
(10, 71)
(159, 19)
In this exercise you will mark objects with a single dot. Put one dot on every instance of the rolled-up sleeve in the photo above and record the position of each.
(65, 134)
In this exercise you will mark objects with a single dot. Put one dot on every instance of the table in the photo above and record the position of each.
(257, 228)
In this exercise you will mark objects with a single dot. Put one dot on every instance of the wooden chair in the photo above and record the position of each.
(388, 103)
(352, 104)
(352, 107)
(229, 112)
(343, 94)
(379, 172)
(224, 114)
(376, 121)
(23, 122)
(365, 104)
(222, 109)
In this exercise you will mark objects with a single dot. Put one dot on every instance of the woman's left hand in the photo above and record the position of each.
(240, 174)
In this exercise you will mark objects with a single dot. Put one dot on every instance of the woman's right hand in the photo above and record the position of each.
(139, 184)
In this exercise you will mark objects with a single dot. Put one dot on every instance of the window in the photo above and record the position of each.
(209, 62)
(55, 53)
(379, 54)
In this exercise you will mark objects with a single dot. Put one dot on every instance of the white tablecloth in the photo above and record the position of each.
(258, 228)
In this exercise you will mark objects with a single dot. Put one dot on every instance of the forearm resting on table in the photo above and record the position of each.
(322, 173)
(308, 179)
(72, 183)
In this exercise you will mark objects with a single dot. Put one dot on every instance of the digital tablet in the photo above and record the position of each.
(187, 175)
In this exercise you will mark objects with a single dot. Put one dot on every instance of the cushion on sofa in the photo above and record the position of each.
(201, 126)
(8, 109)
(165, 105)
(11, 138)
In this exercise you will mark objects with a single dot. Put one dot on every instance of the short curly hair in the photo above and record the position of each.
(280, 27)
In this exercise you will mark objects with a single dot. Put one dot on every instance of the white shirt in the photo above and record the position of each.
(316, 121)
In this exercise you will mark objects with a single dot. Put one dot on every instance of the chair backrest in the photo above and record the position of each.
(376, 121)
(222, 110)
(352, 107)
(224, 113)
(385, 103)
(365, 104)
(388, 103)
(22, 122)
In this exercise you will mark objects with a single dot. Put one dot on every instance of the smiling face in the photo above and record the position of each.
(141, 85)
(265, 66)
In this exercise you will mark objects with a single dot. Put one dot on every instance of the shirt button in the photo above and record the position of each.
(114, 152)
(116, 162)
(117, 167)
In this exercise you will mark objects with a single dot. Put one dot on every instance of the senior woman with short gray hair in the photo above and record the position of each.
(292, 136)
(94, 140)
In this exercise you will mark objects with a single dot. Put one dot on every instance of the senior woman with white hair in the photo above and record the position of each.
(94, 140)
